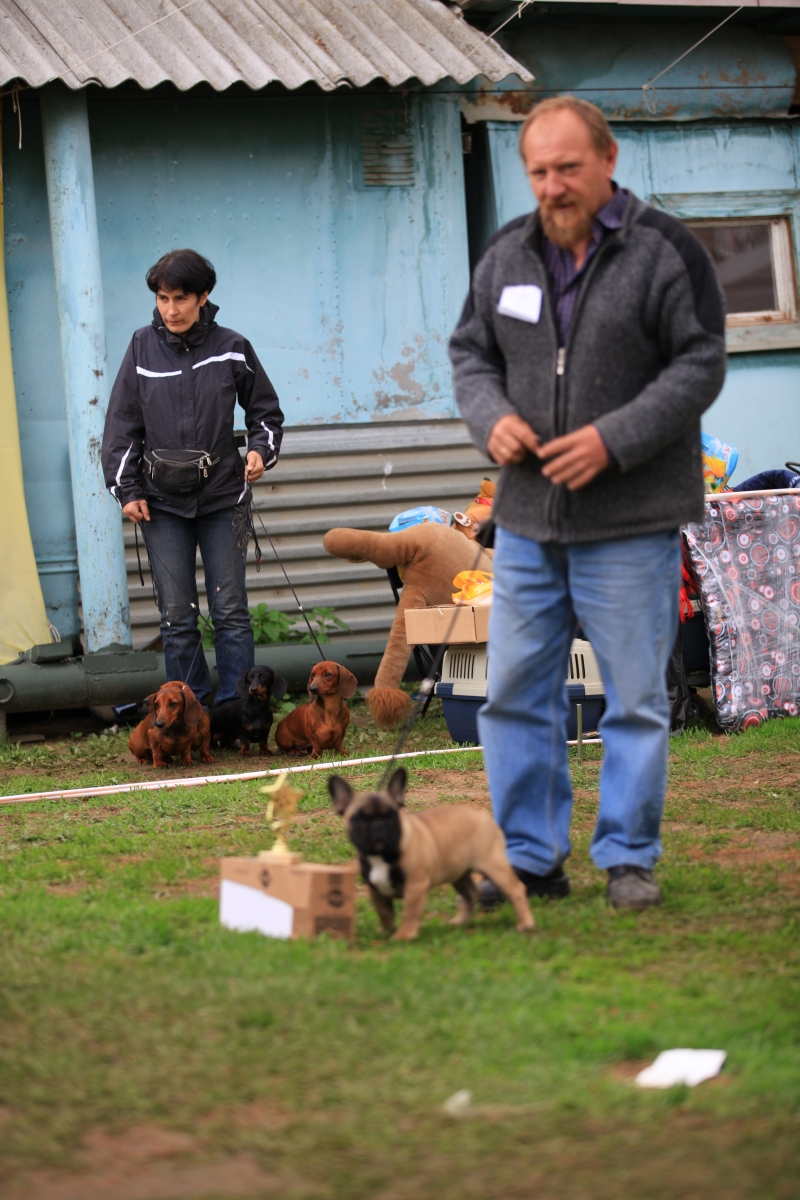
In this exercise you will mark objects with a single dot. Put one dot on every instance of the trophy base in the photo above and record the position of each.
(281, 856)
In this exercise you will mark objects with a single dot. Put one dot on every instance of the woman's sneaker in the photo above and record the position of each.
(552, 886)
(632, 887)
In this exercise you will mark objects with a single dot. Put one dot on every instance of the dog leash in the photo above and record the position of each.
(484, 538)
(280, 564)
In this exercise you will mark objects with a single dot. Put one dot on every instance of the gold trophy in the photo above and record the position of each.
(281, 811)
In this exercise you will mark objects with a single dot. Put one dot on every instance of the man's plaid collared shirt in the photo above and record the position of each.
(564, 278)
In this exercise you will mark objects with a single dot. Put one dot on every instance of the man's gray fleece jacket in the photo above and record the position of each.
(645, 356)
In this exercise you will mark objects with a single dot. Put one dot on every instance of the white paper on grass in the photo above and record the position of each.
(246, 909)
(690, 1067)
(523, 301)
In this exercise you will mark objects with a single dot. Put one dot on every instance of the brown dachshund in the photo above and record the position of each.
(320, 724)
(176, 725)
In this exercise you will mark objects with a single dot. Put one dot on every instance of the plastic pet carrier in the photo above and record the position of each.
(462, 689)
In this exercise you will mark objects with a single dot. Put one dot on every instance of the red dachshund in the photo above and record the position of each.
(320, 724)
(176, 725)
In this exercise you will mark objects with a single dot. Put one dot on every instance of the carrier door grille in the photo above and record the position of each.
(577, 667)
(387, 147)
(462, 665)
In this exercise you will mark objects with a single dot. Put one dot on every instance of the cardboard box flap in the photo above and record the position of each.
(451, 623)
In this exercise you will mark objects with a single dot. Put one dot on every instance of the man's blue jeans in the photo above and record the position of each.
(625, 595)
(172, 543)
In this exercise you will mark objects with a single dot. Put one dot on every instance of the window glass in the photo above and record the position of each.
(742, 256)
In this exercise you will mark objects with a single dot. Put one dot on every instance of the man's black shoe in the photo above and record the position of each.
(553, 886)
(632, 888)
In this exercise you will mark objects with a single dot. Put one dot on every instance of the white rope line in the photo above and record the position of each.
(156, 785)
(648, 87)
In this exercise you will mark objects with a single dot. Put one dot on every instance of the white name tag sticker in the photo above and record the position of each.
(523, 301)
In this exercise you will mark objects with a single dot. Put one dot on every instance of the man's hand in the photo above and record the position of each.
(253, 466)
(511, 439)
(137, 510)
(576, 458)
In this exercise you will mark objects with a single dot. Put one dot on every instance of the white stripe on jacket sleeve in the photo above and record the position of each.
(235, 354)
(118, 476)
(156, 374)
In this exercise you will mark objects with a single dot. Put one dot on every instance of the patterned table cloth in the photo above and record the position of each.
(746, 554)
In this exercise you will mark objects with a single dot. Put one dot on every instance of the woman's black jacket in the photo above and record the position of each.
(177, 392)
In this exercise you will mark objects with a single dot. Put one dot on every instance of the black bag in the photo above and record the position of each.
(180, 472)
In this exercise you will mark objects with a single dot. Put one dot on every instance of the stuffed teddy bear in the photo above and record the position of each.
(481, 507)
(428, 557)
(478, 512)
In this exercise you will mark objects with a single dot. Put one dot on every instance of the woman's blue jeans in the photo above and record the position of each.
(625, 595)
(172, 543)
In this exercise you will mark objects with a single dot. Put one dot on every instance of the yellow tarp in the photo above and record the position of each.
(23, 620)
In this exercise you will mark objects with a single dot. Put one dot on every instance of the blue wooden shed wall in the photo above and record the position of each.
(758, 410)
(347, 293)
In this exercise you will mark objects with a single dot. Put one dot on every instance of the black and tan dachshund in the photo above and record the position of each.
(249, 719)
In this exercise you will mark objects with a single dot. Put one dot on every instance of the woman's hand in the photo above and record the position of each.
(253, 466)
(137, 510)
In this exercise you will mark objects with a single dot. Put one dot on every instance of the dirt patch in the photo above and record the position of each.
(430, 788)
(260, 1114)
(147, 1163)
(205, 888)
(755, 851)
(236, 765)
(750, 848)
(69, 887)
(765, 776)
(626, 1072)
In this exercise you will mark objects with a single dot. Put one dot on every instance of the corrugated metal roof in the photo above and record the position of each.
(256, 42)
(356, 477)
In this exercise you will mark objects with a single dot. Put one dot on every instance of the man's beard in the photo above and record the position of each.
(566, 236)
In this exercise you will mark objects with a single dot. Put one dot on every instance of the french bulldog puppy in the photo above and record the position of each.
(403, 855)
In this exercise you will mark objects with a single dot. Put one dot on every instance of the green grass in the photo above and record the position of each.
(321, 1069)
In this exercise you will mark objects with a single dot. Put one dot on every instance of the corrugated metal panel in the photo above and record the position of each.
(222, 42)
(356, 477)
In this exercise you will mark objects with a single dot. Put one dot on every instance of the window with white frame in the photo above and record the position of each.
(753, 261)
(753, 239)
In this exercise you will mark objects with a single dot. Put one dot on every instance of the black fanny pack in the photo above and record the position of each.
(180, 472)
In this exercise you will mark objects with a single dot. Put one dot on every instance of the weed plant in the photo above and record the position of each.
(274, 628)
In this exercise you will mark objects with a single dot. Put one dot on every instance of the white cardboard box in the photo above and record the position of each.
(286, 899)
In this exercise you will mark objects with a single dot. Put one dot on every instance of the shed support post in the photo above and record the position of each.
(81, 317)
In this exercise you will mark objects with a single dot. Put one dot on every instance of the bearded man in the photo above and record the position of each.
(591, 342)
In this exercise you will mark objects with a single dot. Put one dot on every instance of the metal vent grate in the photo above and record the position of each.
(387, 147)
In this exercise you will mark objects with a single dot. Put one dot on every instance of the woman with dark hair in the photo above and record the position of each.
(171, 462)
